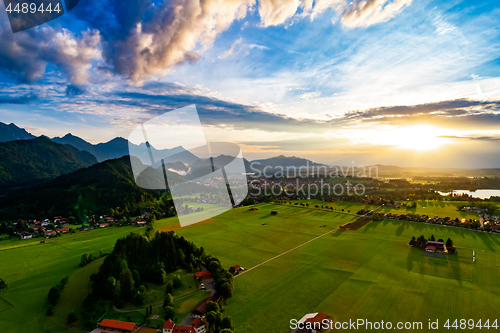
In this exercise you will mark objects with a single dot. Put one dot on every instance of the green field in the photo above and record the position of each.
(348, 207)
(370, 273)
(434, 208)
(31, 269)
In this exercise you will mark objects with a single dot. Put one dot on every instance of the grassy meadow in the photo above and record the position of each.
(434, 208)
(370, 273)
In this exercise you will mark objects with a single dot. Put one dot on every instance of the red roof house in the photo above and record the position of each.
(116, 325)
(204, 275)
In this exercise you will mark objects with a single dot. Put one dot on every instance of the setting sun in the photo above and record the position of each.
(420, 137)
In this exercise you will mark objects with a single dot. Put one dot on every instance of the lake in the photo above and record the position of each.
(482, 194)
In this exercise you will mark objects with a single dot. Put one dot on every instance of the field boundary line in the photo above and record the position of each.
(11, 305)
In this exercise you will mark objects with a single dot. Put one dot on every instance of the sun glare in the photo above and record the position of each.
(419, 138)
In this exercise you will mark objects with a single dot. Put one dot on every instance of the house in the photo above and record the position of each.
(203, 275)
(63, 230)
(274, 212)
(109, 219)
(50, 233)
(235, 269)
(430, 248)
(117, 326)
(311, 322)
(451, 250)
(200, 310)
(103, 225)
(253, 208)
(196, 326)
(140, 223)
(433, 246)
(25, 235)
(57, 218)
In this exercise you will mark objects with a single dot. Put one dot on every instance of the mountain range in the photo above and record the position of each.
(11, 132)
(96, 188)
(26, 163)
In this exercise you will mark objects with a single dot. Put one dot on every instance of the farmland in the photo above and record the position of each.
(434, 208)
(365, 273)
(353, 274)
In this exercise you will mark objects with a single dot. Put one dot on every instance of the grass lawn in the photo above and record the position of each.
(368, 274)
(433, 208)
(156, 293)
(247, 238)
(31, 269)
(348, 207)
(185, 305)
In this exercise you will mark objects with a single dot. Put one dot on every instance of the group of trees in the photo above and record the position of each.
(54, 295)
(224, 280)
(88, 258)
(216, 321)
(137, 259)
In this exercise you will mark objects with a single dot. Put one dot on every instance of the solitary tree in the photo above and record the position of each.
(449, 242)
(169, 301)
(3, 285)
(169, 312)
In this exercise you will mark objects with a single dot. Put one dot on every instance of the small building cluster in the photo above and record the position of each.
(196, 326)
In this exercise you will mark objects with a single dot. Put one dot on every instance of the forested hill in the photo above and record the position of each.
(30, 162)
(95, 189)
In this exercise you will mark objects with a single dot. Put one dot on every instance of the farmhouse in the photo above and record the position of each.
(63, 230)
(117, 326)
(203, 275)
(311, 322)
(103, 225)
(109, 219)
(200, 310)
(197, 326)
(436, 247)
(50, 233)
(25, 235)
(235, 269)
(274, 212)
(253, 208)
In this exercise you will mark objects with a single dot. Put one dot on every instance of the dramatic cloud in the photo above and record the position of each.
(141, 38)
(445, 108)
(25, 55)
(366, 13)
(275, 12)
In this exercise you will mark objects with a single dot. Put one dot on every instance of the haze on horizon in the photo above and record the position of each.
(394, 82)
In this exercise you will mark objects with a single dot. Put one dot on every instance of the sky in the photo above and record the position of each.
(399, 82)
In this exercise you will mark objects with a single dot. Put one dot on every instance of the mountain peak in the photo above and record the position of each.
(11, 132)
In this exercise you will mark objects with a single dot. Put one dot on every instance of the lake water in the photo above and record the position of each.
(482, 194)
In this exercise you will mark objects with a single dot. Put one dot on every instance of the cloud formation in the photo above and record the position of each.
(369, 12)
(139, 39)
(25, 55)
